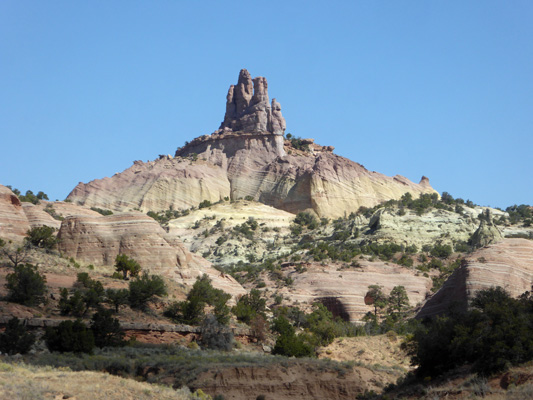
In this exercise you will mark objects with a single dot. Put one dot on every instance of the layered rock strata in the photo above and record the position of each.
(343, 291)
(98, 240)
(248, 157)
(508, 264)
(13, 221)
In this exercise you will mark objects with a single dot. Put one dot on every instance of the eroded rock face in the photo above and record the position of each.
(99, 239)
(487, 233)
(508, 264)
(346, 289)
(13, 221)
(248, 108)
(248, 157)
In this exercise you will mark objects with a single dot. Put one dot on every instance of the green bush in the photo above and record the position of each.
(144, 289)
(42, 236)
(191, 311)
(106, 330)
(102, 211)
(26, 286)
(70, 336)
(117, 297)
(16, 339)
(441, 251)
(249, 305)
(288, 343)
(493, 335)
(127, 265)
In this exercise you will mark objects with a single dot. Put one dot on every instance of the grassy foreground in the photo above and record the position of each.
(22, 381)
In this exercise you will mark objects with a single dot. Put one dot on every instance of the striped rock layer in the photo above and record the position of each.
(508, 264)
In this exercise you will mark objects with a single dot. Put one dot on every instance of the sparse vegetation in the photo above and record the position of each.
(26, 285)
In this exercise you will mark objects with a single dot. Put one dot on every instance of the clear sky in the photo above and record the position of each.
(436, 88)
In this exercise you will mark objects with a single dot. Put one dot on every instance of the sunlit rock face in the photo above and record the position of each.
(248, 157)
(508, 264)
(99, 239)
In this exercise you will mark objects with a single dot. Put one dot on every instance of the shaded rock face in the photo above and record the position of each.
(99, 239)
(248, 108)
(508, 263)
(248, 157)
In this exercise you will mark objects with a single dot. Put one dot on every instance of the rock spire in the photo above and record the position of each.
(248, 108)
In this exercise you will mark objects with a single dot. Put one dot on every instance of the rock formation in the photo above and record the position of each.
(348, 288)
(17, 217)
(99, 239)
(508, 263)
(13, 221)
(248, 157)
(487, 233)
(248, 110)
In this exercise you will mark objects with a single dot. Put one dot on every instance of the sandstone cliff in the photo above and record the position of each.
(343, 291)
(508, 263)
(98, 240)
(248, 156)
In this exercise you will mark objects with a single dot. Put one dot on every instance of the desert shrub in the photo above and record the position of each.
(288, 343)
(117, 297)
(441, 251)
(144, 289)
(26, 286)
(42, 236)
(215, 336)
(191, 311)
(127, 265)
(306, 219)
(73, 304)
(204, 204)
(70, 336)
(405, 260)
(249, 305)
(88, 294)
(102, 211)
(519, 213)
(16, 339)
(30, 197)
(106, 330)
(491, 336)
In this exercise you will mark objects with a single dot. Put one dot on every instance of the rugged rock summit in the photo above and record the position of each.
(248, 110)
(248, 157)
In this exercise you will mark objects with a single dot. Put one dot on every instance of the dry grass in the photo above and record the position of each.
(20, 381)
(369, 350)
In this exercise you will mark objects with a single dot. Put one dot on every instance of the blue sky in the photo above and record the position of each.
(442, 89)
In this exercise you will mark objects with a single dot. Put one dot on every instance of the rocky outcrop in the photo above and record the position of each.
(98, 240)
(487, 233)
(346, 289)
(248, 108)
(407, 228)
(17, 217)
(508, 264)
(13, 221)
(248, 157)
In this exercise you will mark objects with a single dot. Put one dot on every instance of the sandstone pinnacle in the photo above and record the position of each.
(248, 109)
